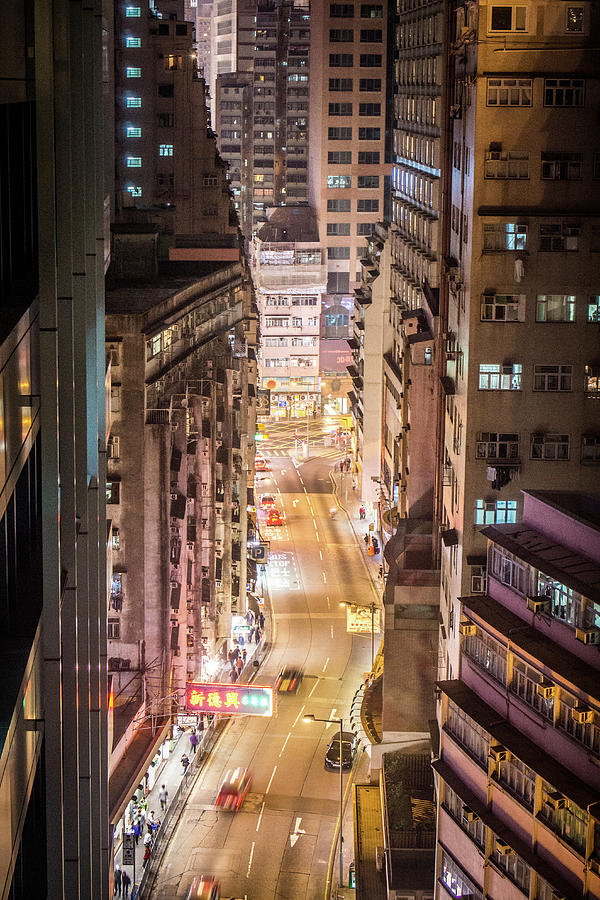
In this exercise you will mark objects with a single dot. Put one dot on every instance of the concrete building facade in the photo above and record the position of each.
(517, 775)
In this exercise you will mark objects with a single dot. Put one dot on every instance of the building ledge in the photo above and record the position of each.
(132, 765)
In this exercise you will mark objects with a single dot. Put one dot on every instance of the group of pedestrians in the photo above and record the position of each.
(122, 882)
(238, 654)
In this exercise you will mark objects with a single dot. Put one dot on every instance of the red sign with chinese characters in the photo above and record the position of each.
(231, 699)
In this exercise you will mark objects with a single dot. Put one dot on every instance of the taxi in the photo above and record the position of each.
(267, 501)
(234, 789)
(205, 887)
(262, 464)
(274, 517)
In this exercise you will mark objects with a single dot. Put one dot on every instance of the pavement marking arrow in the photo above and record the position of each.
(295, 503)
(297, 832)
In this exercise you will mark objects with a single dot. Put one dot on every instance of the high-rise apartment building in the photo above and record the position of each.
(53, 744)
(517, 773)
(289, 275)
(348, 159)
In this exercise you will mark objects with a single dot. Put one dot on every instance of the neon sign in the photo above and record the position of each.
(232, 700)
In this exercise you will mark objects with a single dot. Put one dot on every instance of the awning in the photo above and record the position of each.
(448, 385)
(132, 767)
(450, 537)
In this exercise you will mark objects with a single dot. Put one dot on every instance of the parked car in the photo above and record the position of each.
(267, 501)
(205, 887)
(288, 680)
(274, 517)
(234, 789)
(332, 754)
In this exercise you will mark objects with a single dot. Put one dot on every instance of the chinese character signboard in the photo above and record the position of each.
(234, 700)
(358, 620)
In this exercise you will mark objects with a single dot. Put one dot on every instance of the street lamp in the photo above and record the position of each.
(310, 718)
(372, 607)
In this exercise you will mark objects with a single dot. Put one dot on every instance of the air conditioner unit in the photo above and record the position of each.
(190, 545)
(588, 635)
(546, 690)
(468, 814)
(477, 584)
(173, 495)
(538, 604)
(582, 715)
(503, 848)
(174, 584)
(451, 354)
(467, 629)
(556, 801)
(498, 753)
(494, 155)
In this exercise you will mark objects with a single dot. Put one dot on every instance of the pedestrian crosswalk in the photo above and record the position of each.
(315, 450)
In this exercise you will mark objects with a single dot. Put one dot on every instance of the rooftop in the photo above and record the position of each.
(290, 224)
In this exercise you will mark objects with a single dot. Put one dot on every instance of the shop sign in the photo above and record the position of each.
(233, 700)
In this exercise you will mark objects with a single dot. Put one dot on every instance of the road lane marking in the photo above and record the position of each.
(271, 780)
(321, 554)
(332, 632)
(324, 577)
(260, 815)
(284, 744)
(328, 603)
(317, 536)
(300, 713)
(332, 716)
(250, 860)
(324, 667)
(314, 687)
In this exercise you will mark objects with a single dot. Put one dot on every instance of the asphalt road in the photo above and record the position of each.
(279, 846)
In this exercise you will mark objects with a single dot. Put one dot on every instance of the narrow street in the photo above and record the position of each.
(282, 842)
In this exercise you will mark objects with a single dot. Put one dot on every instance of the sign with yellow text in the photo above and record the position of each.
(233, 700)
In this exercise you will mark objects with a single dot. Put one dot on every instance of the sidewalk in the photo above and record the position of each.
(349, 500)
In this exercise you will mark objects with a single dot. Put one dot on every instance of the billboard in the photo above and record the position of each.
(233, 700)
(358, 619)
(334, 356)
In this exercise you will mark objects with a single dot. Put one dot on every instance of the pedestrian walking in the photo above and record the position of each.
(126, 882)
(241, 640)
(234, 675)
(147, 855)
(366, 538)
(381, 571)
(249, 617)
(362, 512)
(194, 741)
(147, 840)
(348, 464)
(261, 620)
(117, 882)
(185, 762)
(341, 466)
(135, 827)
(239, 665)
(151, 822)
(257, 635)
(163, 796)
(244, 655)
(230, 657)
(251, 635)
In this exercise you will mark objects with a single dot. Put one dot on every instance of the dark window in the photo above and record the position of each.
(370, 84)
(368, 158)
(370, 35)
(368, 181)
(370, 60)
(369, 109)
(369, 134)
(341, 228)
(113, 491)
(364, 228)
(341, 35)
(340, 84)
(339, 134)
(371, 12)
(338, 282)
(338, 205)
(338, 253)
(339, 157)
(340, 109)
(341, 60)
(368, 205)
(163, 29)
(181, 29)
(166, 90)
(166, 120)
(341, 10)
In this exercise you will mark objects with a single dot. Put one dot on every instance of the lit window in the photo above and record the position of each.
(339, 181)
(574, 24)
(592, 381)
(133, 102)
(133, 132)
(134, 190)
(555, 308)
(133, 42)
(505, 377)
(133, 72)
(594, 309)
(504, 236)
(495, 512)
(165, 149)
(134, 162)
(133, 12)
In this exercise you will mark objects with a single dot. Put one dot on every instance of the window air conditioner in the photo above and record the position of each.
(173, 495)
(588, 635)
(468, 814)
(545, 689)
(498, 753)
(538, 604)
(556, 801)
(467, 629)
(503, 848)
(583, 715)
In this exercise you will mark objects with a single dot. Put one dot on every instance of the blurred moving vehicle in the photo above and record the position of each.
(288, 680)
(205, 887)
(332, 754)
(267, 501)
(234, 788)
(262, 464)
(274, 517)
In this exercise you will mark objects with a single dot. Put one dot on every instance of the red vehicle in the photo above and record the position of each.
(267, 501)
(261, 464)
(274, 517)
(234, 789)
(205, 887)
